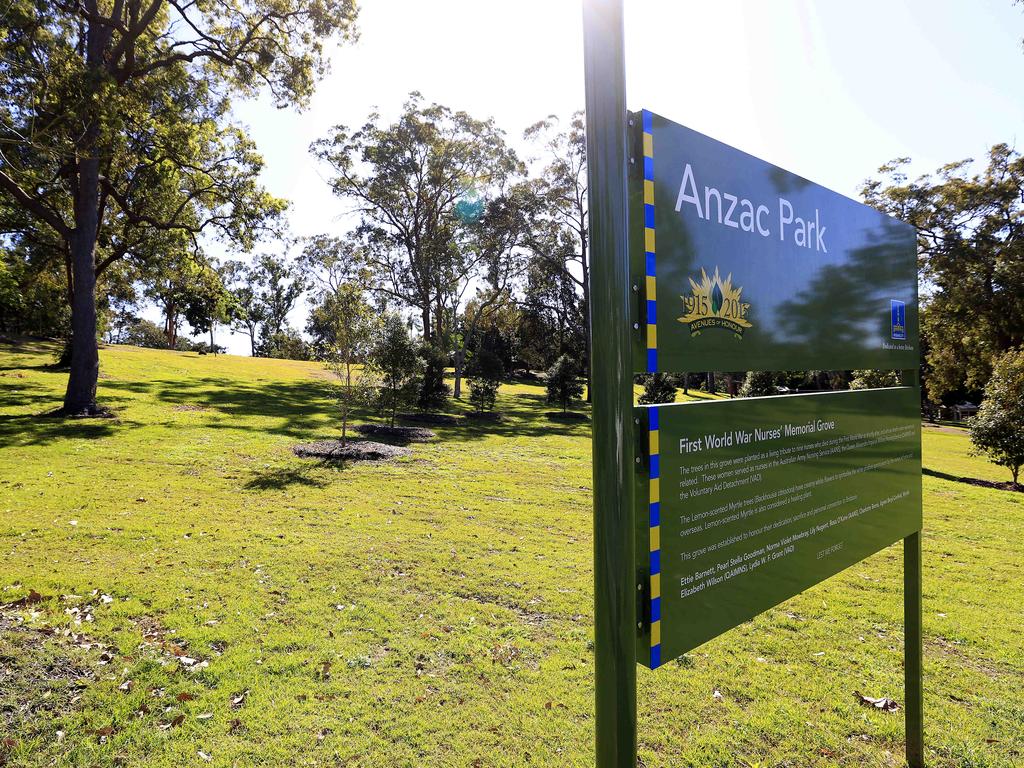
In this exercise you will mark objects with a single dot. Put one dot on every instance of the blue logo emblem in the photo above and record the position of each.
(898, 312)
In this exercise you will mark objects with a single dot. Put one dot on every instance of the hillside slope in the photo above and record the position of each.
(181, 590)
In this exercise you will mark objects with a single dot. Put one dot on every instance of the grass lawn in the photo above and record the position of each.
(181, 590)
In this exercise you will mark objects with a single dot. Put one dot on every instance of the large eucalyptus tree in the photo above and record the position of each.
(115, 129)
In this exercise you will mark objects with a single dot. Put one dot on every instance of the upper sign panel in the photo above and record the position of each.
(741, 265)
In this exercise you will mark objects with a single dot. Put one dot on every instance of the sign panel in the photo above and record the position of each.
(749, 502)
(740, 265)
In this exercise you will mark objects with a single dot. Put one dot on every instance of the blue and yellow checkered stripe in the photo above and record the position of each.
(654, 523)
(650, 271)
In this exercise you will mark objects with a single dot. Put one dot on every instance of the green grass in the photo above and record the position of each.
(434, 611)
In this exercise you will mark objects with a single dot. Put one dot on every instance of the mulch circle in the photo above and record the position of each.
(492, 416)
(567, 416)
(353, 450)
(434, 419)
(400, 434)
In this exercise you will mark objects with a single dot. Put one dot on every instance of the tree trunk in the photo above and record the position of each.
(425, 319)
(460, 365)
(213, 349)
(80, 396)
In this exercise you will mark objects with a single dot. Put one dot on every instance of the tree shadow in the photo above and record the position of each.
(34, 429)
(298, 406)
(279, 478)
(1005, 486)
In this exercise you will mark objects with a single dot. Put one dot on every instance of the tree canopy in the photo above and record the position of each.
(118, 142)
(971, 260)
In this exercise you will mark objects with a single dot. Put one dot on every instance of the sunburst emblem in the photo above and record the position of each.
(714, 303)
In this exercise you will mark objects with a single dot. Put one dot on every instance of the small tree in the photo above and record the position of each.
(758, 384)
(563, 383)
(394, 357)
(485, 373)
(342, 326)
(433, 392)
(658, 388)
(998, 428)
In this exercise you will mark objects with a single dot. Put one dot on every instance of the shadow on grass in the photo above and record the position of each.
(1007, 486)
(298, 406)
(284, 477)
(43, 429)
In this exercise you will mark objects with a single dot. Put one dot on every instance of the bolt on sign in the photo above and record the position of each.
(740, 265)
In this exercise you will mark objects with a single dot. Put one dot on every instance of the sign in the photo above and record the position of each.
(704, 258)
(745, 503)
(740, 265)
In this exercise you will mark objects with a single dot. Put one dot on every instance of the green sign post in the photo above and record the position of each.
(704, 258)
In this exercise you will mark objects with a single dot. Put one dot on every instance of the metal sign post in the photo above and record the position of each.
(615, 591)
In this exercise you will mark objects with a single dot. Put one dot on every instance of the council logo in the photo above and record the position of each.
(715, 303)
(898, 319)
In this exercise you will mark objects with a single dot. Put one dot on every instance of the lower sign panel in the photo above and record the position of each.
(746, 503)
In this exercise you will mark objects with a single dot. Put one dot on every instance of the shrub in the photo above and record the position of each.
(433, 393)
(563, 382)
(394, 358)
(658, 388)
(485, 372)
(998, 428)
(759, 384)
(871, 379)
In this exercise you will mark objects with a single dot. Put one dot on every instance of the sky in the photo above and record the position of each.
(827, 90)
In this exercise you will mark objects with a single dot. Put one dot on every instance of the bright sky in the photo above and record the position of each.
(828, 90)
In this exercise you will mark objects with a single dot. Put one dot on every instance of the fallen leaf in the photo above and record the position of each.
(235, 726)
(204, 756)
(238, 700)
(204, 716)
(884, 704)
(126, 686)
(717, 694)
(185, 696)
(173, 724)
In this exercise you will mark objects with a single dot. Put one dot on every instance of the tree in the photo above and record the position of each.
(433, 392)
(759, 384)
(186, 288)
(552, 319)
(394, 358)
(342, 326)
(872, 379)
(997, 430)
(970, 243)
(563, 382)
(498, 238)
(658, 388)
(485, 372)
(263, 293)
(116, 129)
(418, 185)
(561, 235)
(278, 286)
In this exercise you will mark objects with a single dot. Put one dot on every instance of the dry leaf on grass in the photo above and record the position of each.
(885, 704)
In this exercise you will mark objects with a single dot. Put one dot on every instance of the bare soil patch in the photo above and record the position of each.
(353, 450)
